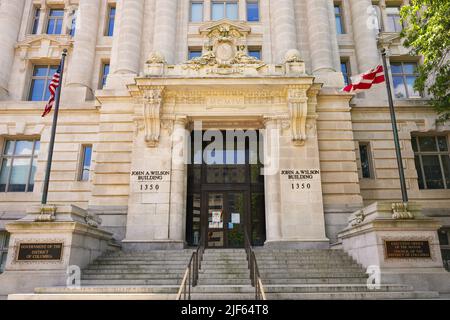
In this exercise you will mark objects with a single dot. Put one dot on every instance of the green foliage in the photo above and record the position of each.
(427, 33)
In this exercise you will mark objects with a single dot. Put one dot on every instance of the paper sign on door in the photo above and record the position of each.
(236, 218)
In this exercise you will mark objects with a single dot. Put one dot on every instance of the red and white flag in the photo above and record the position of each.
(54, 84)
(367, 80)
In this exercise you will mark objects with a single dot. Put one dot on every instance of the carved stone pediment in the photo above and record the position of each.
(43, 46)
(225, 47)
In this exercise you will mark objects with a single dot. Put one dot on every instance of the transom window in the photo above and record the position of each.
(4, 242)
(55, 21)
(432, 158)
(393, 19)
(196, 11)
(18, 165)
(255, 53)
(404, 75)
(253, 10)
(40, 80)
(339, 19)
(224, 9)
(194, 53)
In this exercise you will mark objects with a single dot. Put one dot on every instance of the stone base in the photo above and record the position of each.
(297, 244)
(437, 280)
(76, 94)
(144, 246)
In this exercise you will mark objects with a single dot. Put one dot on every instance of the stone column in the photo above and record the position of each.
(10, 21)
(177, 213)
(285, 32)
(83, 57)
(364, 36)
(164, 40)
(130, 37)
(272, 180)
(320, 33)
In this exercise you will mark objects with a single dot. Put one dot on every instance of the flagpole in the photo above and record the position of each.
(52, 138)
(395, 129)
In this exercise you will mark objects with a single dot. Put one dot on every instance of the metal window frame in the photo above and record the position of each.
(110, 16)
(369, 159)
(437, 153)
(82, 159)
(224, 3)
(104, 76)
(32, 157)
(340, 15)
(404, 75)
(190, 10)
(56, 18)
(48, 76)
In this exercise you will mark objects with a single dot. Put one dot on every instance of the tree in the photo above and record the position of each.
(427, 33)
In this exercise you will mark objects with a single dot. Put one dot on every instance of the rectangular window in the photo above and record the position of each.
(105, 73)
(404, 75)
(339, 19)
(255, 53)
(109, 32)
(35, 21)
(40, 80)
(18, 165)
(196, 11)
(432, 159)
(393, 19)
(366, 160)
(85, 167)
(4, 243)
(194, 53)
(55, 21)
(253, 10)
(345, 69)
(224, 9)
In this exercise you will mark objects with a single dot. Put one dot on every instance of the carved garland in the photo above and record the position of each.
(152, 102)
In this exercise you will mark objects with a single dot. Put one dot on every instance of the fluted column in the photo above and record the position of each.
(364, 36)
(164, 40)
(130, 37)
(83, 57)
(272, 179)
(10, 21)
(320, 33)
(285, 32)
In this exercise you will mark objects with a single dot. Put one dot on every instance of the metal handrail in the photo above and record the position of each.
(190, 278)
(255, 276)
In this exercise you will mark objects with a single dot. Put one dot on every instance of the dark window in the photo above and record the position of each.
(105, 73)
(40, 80)
(255, 53)
(432, 159)
(18, 165)
(404, 74)
(196, 11)
(86, 159)
(55, 21)
(35, 22)
(110, 21)
(366, 160)
(339, 19)
(194, 53)
(252, 10)
(4, 243)
(345, 69)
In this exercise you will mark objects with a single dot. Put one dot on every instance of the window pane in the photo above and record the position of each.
(9, 148)
(40, 71)
(58, 26)
(36, 21)
(111, 22)
(414, 143)
(427, 144)
(365, 160)
(442, 142)
(419, 172)
(339, 27)
(24, 148)
(37, 147)
(410, 68)
(252, 11)
(410, 85)
(37, 90)
(57, 13)
(433, 174)
(218, 11)
(196, 12)
(51, 26)
(194, 54)
(396, 68)
(4, 174)
(255, 53)
(19, 175)
(32, 175)
(446, 165)
(399, 87)
(232, 11)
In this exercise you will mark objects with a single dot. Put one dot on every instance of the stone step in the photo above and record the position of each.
(223, 296)
(132, 271)
(133, 276)
(93, 297)
(231, 270)
(140, 262)
(215, 281)
(301, 269)
(144, 259)
(310, 274)
(356, 280)
(131, 282)
(108, 290)
(226, 288)
(312, 288)
(353, 296)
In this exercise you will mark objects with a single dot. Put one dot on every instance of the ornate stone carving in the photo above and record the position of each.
(225, 49)
(156, 58)
(152, 101)
(293, 56)
(93, 220)
(400, 211)
(357, 218)
(48, 214)
(298, 110)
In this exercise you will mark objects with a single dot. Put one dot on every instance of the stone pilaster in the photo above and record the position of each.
(177, 212)
(79, 80)
(10, 21)
(164, 40)
(364, 36)
(129, 37)
(285, 32)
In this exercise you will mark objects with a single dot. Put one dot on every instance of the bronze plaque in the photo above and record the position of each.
(407, 249)
(40, 252)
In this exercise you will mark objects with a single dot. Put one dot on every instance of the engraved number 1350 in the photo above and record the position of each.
(301, 186)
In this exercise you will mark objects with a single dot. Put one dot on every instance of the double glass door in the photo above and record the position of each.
(226, 218)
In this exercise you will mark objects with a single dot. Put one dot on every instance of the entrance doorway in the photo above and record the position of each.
(225, 196)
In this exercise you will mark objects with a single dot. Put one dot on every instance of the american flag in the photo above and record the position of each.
(367, 80)
(54, 84)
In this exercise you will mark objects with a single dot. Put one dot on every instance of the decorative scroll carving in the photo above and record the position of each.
(400, 211)
(152, 101)
(298, 110)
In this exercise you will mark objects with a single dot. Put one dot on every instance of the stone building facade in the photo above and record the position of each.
(141, 76)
